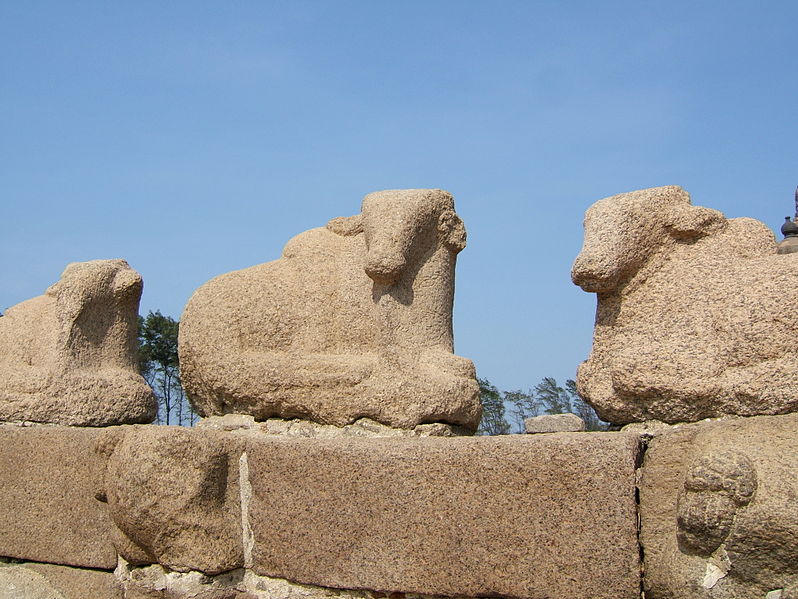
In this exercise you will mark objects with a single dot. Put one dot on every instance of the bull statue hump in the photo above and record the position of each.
(695, 316)
(69, 356)
(353, 321)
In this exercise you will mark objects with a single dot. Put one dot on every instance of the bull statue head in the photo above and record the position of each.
(401, 226)
(97, 307)
(623, 231)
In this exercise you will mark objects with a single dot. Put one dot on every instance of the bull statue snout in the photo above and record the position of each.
(384, 269)
(592, 275)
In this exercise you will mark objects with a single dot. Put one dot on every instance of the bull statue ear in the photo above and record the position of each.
(452, 230)
(346, 225)
(691, 222)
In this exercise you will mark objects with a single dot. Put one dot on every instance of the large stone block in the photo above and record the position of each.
(719, 510)
(174, 496)
(47, 581)
(353, 321)
(517, 516)
(48, 513)
(696, 312)
(69, 356)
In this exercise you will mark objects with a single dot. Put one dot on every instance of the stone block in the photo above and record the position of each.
(174, 496)
(719, 510)
(554, 423)
(515, 516)
(48, 512)
(47, 581)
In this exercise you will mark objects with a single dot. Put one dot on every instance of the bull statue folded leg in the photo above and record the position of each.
(353, 321)
(696, 313)
(69, 356)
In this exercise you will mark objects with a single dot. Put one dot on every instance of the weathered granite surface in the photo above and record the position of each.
(174, 496)
(353, 321)
(554, 423)
(69, 356)
(719, 510)
(30, 580)
(516, 516)
(363, 427)
(696, 312)
(48, 513)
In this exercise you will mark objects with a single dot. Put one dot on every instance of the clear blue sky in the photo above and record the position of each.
(195, 138)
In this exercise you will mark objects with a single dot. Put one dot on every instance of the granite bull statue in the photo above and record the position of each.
(353, 321)
(696, 313)
(69, 356)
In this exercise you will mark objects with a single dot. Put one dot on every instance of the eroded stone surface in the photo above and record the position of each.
(353, 321)
(719, 509)
(69, 356)
(519, 516)
(173, 494)
(364, 427)
(696, 312)
(554, 423)
(48, 477)
(154, 582)
(47, 581)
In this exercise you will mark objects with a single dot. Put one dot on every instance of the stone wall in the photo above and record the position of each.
(243, 513)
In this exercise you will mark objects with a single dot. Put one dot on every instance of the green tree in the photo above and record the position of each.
(547, 397)
(493, 421)
(522, 406)
(553, 398)
(160, 366)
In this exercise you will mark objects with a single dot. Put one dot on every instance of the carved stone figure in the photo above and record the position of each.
(719, 510)
(353, 321)
(69, 356)
(696, 313)
(173, 494)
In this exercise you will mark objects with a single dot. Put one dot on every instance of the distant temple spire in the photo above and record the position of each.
(790, 231)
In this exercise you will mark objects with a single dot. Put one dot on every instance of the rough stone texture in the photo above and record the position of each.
(696, 313)
(719, 510)
(48, 477)
(153, 582)
(363, 427)
(516, 516)
(47, 581)
(353, 321)
(173, 494)
(69, 356)
(554, 423)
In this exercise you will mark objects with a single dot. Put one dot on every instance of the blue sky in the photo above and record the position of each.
(195, 138)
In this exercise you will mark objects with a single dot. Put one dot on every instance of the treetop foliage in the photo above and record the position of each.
(159, 364)
(547, 397)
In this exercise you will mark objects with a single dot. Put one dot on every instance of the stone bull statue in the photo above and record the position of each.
(696, 313)
(69, 356)
(353, 321)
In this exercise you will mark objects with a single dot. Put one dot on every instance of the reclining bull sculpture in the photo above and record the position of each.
(696, 313)
(69, 356)
(353, 321)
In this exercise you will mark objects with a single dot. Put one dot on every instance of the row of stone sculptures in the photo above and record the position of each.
(695, 319)
(353, 321)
